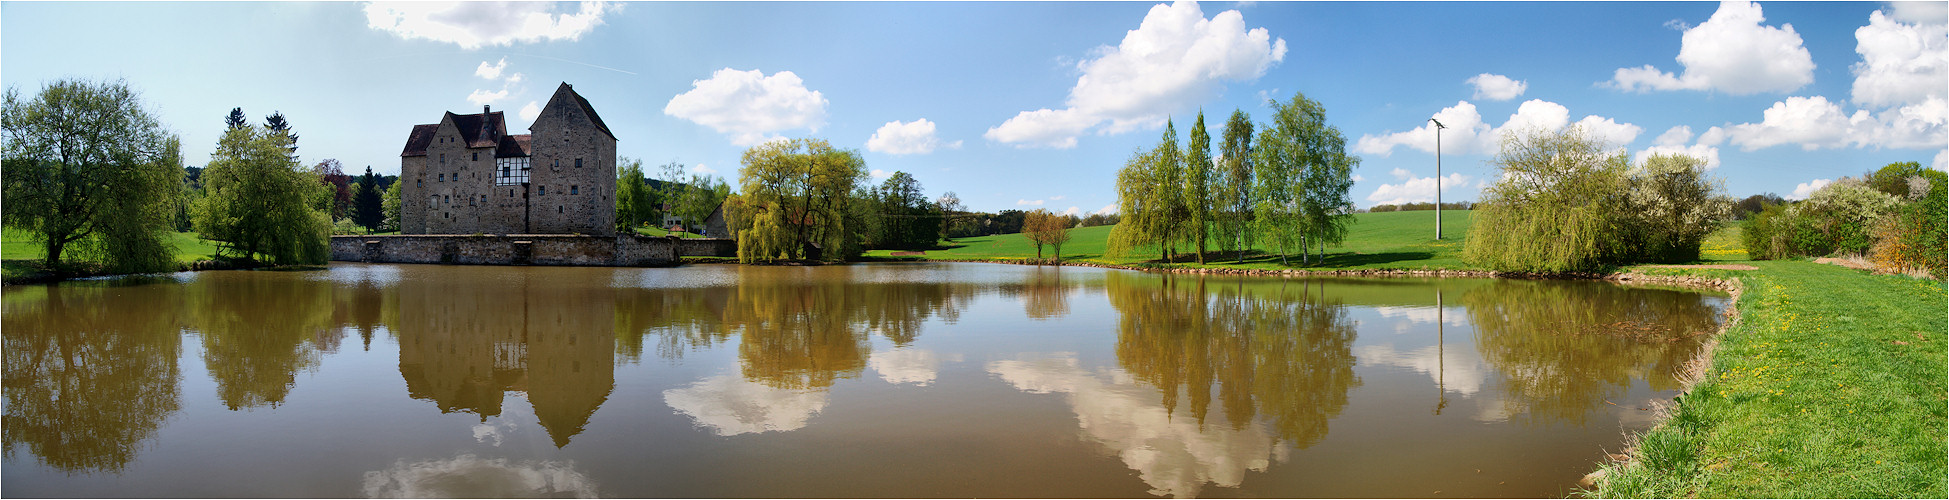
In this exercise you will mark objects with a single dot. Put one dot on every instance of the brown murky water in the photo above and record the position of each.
(886, 380)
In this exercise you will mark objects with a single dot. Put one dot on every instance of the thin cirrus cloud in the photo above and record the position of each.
(907, 138)
(750, 106)
(1732, 52)
(473, 25)
(1175, 58)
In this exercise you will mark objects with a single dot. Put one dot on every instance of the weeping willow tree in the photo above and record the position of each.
(1571, 203)
(1561, 206)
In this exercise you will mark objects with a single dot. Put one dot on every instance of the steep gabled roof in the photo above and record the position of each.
(514, 146)
(471, 130)
(587, 109)
(419, 139)
(478, 134)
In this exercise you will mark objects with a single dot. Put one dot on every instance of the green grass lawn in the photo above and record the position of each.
(18, 245)
(1388, 240)
(1832, 385)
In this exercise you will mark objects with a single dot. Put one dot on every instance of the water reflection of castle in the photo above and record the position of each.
(464, 345)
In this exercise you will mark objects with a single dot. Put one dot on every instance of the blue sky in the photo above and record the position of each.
(1036, 105)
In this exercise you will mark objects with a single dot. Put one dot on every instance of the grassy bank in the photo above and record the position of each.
(1389, 240)
(20, 256)
(1830, 386)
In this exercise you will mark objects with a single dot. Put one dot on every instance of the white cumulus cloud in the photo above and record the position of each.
(1900, 63)
(491, 72)
(1920, 12)
(1174, 59)
(530, 111)
(702, 169)
(481, 97)
(1418, 190)
(1815, 123)
(1112, 209)
(1941, 160)
(1805, 189)
(472, 25)
(1731, 52)
(750, 106)
(1033, 203)
(907, 138)
(1497, 87)
(1674, 142)
(1467, 133)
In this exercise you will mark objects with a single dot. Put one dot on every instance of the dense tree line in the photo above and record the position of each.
(1288, 191)
(1568, 202)
(1421, 206)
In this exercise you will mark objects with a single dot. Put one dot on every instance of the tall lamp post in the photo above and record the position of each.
(1438, 127)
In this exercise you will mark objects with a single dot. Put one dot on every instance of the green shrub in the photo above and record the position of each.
(1674, 206)
(1839, 218)
(1913, 238)
(1767, 235)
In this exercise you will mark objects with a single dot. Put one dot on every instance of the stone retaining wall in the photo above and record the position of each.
(526, 249)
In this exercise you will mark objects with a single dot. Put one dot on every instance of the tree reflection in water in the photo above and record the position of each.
(88, 378)
(1564, 348)
(1280, 349)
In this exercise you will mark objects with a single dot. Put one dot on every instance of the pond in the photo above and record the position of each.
(880, 380)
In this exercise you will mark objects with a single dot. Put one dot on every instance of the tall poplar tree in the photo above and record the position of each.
(1171, 211)
(1233, 193)
(1197, 185)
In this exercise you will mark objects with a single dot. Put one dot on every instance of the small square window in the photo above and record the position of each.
(574, 189)
(419, 182)
(443, 177)
(578, 163)
(558, 209)
(476, 156)
(541, 190)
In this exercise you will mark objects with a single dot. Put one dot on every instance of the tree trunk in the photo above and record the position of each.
(54, 247)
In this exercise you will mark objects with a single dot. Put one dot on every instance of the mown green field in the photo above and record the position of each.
(1389, 240)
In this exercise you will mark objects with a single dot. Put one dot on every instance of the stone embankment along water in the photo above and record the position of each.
(526, 249)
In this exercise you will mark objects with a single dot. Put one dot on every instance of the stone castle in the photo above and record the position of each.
(467, 175)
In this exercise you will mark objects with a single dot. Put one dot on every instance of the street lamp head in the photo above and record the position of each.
(1437, 123)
